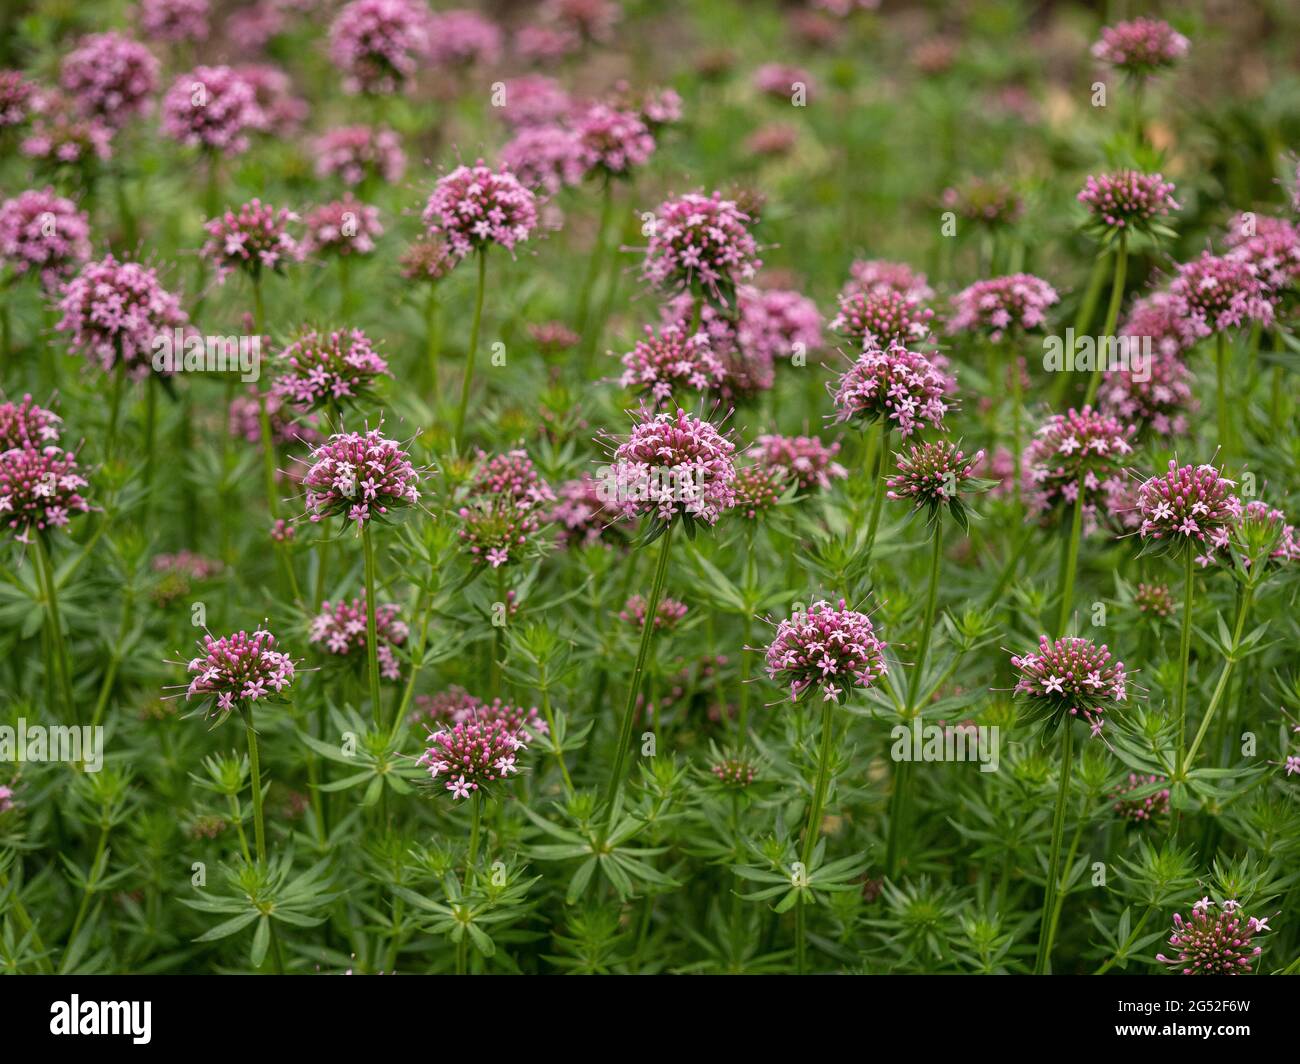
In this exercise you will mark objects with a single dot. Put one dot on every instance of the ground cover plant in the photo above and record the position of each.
(702, 487)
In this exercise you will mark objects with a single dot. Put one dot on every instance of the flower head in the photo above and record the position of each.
(613, 142)
(1141, 46)
(319, 369)
(341, 627)
(996, 305)
(1070, 676)
(1080, 457)
(496, 528)
(759, 488)
(254, 238)
(344, 227)
(933, 476)
(1159, 318)
(1153, 600)
(213, 108)
(1143, 809)
(701, 244)
(113, 311)
(1218, 943)
(1157, 401)
(429, 259)
(875, 276)
(672, 464)
(901, 387)
(462, 38)
(804, 458)
(378, 44)
(1188, 505)
(989, 203)
(16, 97)
(881, 318)
(734, 772)
(359, 476)
(777, 323)
(173, 21)
(61, 136)
(534, 100)
(512, 475)
(353, 153)
(110, 77)
(473, 754)
(1270, 245)
(236, 670)
(830, 648)
(25, 424)
(474, 207)
(43, 233)
(1215, 293)
(546, 158)
(667, 614)
(671, 362)
(39, 489)
(782, 81)
(582, 517)
(1127, 199)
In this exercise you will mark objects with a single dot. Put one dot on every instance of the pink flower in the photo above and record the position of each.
(1160, 403)
(173, 21)
(879, 319)
(17, 94)
(671, 362)
(534, 100)
(429, 259)
(1219, 944)
(701, 244)
(497, 528)
(1158, 317)
(62, 137)
(244, 420)
(1215, 293)
(1079, 455)
(582, 517)
(353, 153)
(759, 488)
(933, 475)
(279, 111)
(378, 44)
(359, 476)
(110, 77)
(803, 458)
(613, 142)
(1270, 245)
(473, 754)
(900, 386)
(43, 233)
(1071, 676)
(1128, 199)
(319, 369)
(212, 108)
(254, 239)
(832, 648)
(1191, 503)
(1142, 46)
(27, 425)
(667, 614)
(782, 81)
(877, 276)
(462, 38)
(546, 158)
(239, 669)
(994, 306)
(545, 44)
(777, 323)
(672, 465)
(39, 489)
(474, 207)
(341, 627)
(344, 227)
(512, 475)
(113, 311)
(992, 204)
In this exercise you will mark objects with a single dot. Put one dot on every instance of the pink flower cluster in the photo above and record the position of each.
(237, 669)
(16, 97)
(244, 419)
(592, 20)
(280, 111)
(473, 754)
(62, 137)
(879, 319)
(378, 44)
(353, 153)
(341, 627)
(43, 233)
(875, 276)
(110, 77)
(758, 489)
(932, 475)
(777, 323)
(1158, 317)
(700, 243)
(429, 259)
(513, 476)
(1271, 246)
(1141, 46)
(803, 458)
(533, 100)
(613, 141)
(675, 465)
(781, 81)
(1144, 809)
(1079, 456)
(991, 203)
(1001, 303)
(212, 108)
(39, 489)
(831, 648)
(667, 614)
(114, 310)
(253, 239)
(582, 517)
(546, 158)
(360, 476)
(901, 387)
(1215, 293)
(1128, 199)
(25, 424)
(461, 38)
(671, 361)
(173, 21)
(344, 227)
(496, 528)
(457, 706)
(1159, 403)
(320, 369)
(1221, 944)
(1189, 504)
(1073, 676)
(474, 207)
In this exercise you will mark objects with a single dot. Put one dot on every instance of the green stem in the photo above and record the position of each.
(255, 769)
(643, 651)
(431, 341)
(928, 624)
(813, 829)
(1242, 611)
(372, 633)
(1128, 942)
(879, 496)
(63, 670)
(1112, 315)
(1070, 562)
(1221, 392)
(1058, 831)
(473, 348)
(1185, 647)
